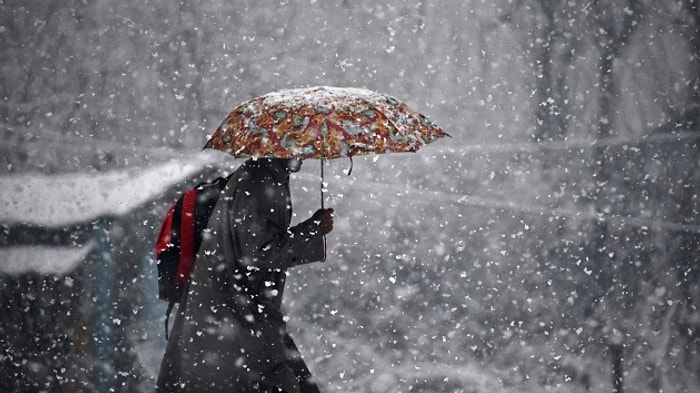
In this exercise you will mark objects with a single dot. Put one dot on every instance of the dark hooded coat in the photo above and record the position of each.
(229, 334)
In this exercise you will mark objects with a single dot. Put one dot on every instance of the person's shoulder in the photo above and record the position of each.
(249, 173)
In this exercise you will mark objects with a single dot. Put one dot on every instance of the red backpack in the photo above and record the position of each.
(180, 237)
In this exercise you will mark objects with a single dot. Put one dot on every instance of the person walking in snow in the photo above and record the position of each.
(229, 334)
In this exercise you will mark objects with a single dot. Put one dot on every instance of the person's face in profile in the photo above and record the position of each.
(294, 165)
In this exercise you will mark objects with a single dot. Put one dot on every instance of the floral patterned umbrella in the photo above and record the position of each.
(322, 122)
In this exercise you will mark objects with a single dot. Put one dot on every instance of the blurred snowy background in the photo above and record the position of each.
(552, 244)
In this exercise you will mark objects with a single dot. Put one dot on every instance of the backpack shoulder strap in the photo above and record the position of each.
(187, 233)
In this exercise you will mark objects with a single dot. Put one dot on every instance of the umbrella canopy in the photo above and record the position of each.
(322, 122)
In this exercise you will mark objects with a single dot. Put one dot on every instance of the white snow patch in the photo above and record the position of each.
(56, 260)
(64, 199)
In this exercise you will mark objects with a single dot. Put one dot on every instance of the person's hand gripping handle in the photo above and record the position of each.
(324, 218)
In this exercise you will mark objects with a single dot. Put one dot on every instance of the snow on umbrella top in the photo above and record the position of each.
(322, 122)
